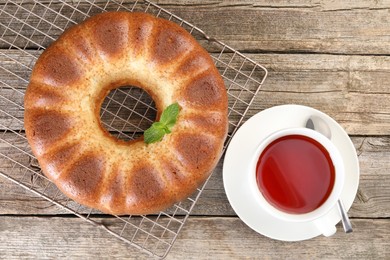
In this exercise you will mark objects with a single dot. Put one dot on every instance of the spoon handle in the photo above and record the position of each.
(344, 217)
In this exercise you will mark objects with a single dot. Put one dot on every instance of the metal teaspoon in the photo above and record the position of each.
(318, 124)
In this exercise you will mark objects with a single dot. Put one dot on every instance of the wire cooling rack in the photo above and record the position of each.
(26, 28)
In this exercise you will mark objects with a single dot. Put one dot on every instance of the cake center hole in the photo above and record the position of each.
(127, 112)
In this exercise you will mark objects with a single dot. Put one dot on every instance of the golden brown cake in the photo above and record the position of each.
(68, 85)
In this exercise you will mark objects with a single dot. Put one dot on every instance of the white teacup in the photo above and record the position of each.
(318, 216)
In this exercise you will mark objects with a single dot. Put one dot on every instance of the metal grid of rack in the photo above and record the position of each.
(26, 29)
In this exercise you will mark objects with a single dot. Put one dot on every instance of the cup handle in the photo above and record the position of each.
(325, 226)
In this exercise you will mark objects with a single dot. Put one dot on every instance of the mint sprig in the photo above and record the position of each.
(168, 118)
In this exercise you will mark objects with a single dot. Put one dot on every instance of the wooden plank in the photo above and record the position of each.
(351, 89)
(230, 238)
(201, 238)
(315, 27)
(372, 200)
(53, 238)
(321, 4)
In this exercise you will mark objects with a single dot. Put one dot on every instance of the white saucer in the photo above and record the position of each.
(236, 173)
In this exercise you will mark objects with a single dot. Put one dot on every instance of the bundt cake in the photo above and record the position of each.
(73, 76)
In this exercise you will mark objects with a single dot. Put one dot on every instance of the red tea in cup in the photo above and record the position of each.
(295, 174)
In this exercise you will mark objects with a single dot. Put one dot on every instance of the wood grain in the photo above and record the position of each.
(351, 89)
(230, 238)
(372, 200)
(308, 27)
(201, 238)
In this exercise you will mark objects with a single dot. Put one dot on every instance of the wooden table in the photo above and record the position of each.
(330, 55)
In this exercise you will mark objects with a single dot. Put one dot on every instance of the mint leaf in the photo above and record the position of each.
(158, 129)
(160, 125)
(169, 115)
(153, 134)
